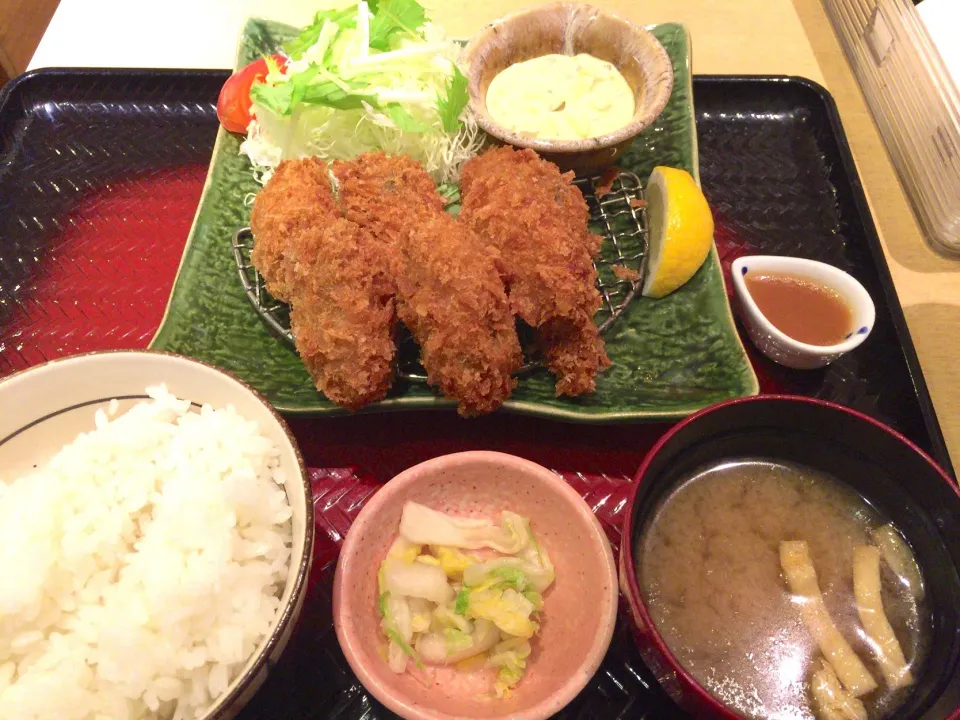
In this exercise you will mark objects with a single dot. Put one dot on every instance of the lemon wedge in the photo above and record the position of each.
(681, 230)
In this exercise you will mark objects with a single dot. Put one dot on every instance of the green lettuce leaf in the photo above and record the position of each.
(332, 95)
(277, 98)
(346, 18)
(451, 106)
(392, 17)
(404, 120)
(307, 87)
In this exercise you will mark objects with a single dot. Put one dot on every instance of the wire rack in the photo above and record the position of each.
(619, 216)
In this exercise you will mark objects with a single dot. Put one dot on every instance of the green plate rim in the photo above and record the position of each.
(520, 407)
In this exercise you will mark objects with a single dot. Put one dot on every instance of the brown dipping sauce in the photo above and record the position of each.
(801, 309)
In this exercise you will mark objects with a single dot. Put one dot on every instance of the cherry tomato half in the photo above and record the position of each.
(233, 105)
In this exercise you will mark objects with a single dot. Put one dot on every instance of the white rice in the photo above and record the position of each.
(141, 568)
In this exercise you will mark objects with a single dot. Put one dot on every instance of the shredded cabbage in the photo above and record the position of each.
(397, 652)
(402, 550)
(397, 626)
(534, 553)
(397, 616)
(535, 599)
(457, 641)
(374, 76)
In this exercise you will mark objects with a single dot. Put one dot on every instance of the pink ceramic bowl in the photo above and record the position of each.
(579, 612)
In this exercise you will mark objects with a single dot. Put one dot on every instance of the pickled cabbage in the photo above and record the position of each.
(510, 657)
(422, 525)
(417, 580)
(441, 606)
(515, 571)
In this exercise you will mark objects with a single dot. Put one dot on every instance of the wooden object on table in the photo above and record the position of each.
(22, 24)
(927, 284)
(914, 102)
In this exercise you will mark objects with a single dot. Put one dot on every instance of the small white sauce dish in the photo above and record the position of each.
(782, 348)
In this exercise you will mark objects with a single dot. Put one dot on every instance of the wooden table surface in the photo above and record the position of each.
(791, 37)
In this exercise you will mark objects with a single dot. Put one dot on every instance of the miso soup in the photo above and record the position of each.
(710, 569)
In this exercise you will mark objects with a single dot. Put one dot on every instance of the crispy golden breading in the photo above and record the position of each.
(574, 352)
(537, 220)
(343, 313)
(449, 292)
(386, 194)
(331, 272)
(384, 245)
(297, 196)
(450, 295)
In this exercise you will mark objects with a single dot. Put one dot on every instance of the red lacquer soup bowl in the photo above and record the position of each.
(882, 466)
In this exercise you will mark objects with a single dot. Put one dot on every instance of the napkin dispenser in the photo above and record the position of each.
(915, 104)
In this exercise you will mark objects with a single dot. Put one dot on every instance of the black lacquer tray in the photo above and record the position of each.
(100, 173)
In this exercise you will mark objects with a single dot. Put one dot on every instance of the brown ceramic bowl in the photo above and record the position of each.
(572, 28)
(579, 611)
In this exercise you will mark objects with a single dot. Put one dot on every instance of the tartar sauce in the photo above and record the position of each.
(561, 97)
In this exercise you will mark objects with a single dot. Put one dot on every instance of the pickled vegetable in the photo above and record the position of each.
(441, 606)
(422, 525)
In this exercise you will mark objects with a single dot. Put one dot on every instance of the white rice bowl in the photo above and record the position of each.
(142, 567)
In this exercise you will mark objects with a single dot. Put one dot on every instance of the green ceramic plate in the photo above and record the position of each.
(670, 357)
